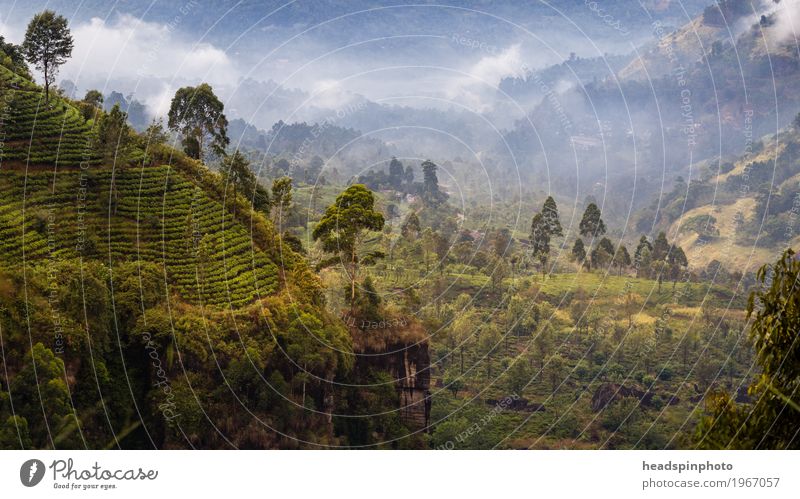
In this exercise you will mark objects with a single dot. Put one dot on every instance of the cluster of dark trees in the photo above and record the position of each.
(13, 57)
(401, 179)
(398, 178)
(659, 259)
(655, 259)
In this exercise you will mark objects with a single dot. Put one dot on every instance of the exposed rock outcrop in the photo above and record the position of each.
(402, 351)
(609, 392)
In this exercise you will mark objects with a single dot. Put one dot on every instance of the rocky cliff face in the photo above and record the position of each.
(414, 380)
(401, 350)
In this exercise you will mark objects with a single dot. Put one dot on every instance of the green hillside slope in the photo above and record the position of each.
(142, 303)
(741, 212)
(35, 133)
(153, 214)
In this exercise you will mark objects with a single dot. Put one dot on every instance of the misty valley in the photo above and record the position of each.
(370, 225)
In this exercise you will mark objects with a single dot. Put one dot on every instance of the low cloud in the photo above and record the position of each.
(10, 33)
(492, 68)
(787, 20)
(476, 88)
(130, 55)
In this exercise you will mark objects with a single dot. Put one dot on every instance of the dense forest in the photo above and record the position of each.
(191, 281)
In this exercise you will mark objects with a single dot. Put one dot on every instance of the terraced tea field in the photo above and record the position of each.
(37, 133)
(152, 214)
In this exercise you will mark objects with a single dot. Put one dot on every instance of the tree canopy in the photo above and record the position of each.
(430, 183)
(771, 421)
(94, 98)
(540, 239)
(114, 136)
(591, 224)
(343, 224)
(236, 173)
(550, 214)
(644, 245)
(411, 227)
(48, 44)
(281, 196)
(661, 247)
(197, 114)
(14, 53)
(396, 173)
(579, 251)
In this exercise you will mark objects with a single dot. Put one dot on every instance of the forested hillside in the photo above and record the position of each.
(738, 213)
(140, 291)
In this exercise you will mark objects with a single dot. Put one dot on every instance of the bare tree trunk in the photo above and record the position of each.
(304, 386)
(353, 280)
(46, 86)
